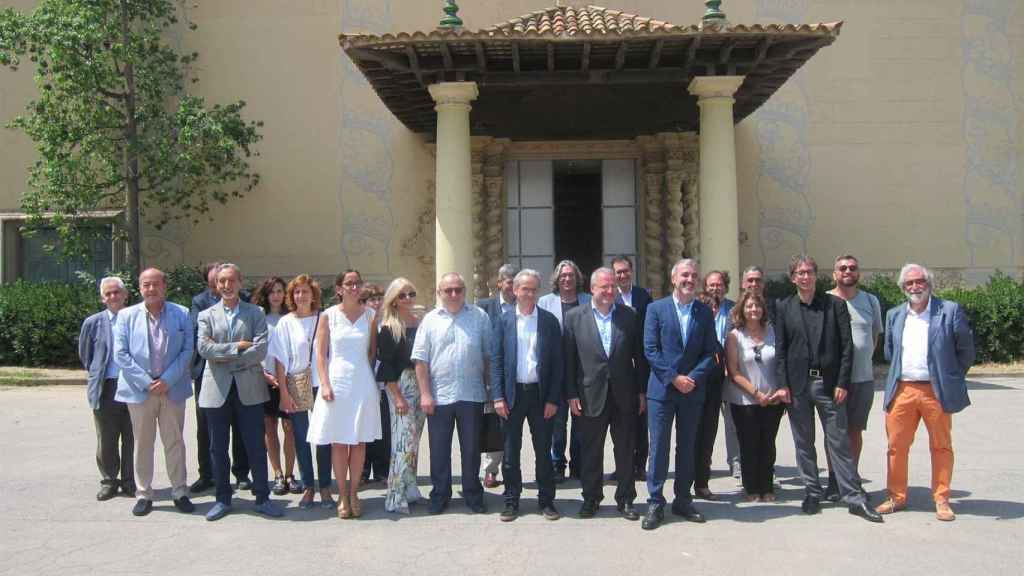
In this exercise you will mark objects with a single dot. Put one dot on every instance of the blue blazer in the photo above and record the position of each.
(950, 352)
(131, 352)
(504, 357)
(668, 358)
(96, 351)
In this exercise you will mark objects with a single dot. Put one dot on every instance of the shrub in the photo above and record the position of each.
(39, 322)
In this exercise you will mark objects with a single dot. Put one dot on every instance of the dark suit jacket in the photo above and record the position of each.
(504, 357)
(493, 308)
(668, 358)
(590, 374)
(641, 300)
(835, 343)
(950, 352)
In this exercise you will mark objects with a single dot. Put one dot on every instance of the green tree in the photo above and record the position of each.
(114, 125)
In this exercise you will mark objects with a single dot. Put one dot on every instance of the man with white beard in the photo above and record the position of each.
(929, 344)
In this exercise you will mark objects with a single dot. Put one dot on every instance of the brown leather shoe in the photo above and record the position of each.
(944, 512)
(890, 506)
(490, 481)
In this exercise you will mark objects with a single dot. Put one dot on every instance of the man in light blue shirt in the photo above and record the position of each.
(451, 352)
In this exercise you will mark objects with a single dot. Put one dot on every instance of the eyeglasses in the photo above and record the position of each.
(407, 295)
(803, 273)
(847, 268)
(453, 291)
(757, 353)
(351, 285)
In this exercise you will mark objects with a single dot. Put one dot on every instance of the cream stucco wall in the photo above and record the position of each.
(903, 140)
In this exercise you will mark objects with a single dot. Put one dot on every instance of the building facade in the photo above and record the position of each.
(901, 141)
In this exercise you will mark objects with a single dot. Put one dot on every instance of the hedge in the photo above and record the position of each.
(995, 310)
(39, 322)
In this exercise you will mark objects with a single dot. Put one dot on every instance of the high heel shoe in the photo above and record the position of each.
(344, 510)
(357, 506)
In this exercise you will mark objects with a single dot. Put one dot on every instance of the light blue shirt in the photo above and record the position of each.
(722, 320)
(455, 348)
(506, 307)
(231, 313)
(683, 315)
(112, 368)
(604, 328)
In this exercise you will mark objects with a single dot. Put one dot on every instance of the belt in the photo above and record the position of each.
(110, 379)
(528, 385)
(814, 372)
(928, 382)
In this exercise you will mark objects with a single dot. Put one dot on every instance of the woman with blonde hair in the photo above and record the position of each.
(398, 323)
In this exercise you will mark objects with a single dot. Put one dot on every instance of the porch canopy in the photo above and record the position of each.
(581, 72)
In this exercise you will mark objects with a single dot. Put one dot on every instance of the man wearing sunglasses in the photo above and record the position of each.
(814, 358)
(451, 355)
(865, 326)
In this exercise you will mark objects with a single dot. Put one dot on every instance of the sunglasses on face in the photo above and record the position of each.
(847, 268)
(407, 295)
(453, 291)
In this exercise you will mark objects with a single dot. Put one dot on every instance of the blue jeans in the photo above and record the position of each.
(300, 427)
(686, 412)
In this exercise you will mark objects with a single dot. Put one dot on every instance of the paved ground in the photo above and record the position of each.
(50, 522)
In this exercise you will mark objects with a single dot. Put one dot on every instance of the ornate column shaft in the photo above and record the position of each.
(719, 213)
(454, 217)
(654, 240)
(478, 144)
(494, 210)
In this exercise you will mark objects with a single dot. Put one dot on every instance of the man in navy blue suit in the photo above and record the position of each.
(629, 294)
(526, 385)
(679, 343)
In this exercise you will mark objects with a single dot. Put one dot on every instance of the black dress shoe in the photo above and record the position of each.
(705, 493)
(640, 475)
(510, 513)
(628, 511)
(437, 506)
(811, 505)
(831, 494)
(654, 517)
(866, 512)
(185, 505)
(243, 484)
(142, 507)
(201, 485)
(588, 509)
(550, 512)
(688, 512)
(477, 508)
(107, 491)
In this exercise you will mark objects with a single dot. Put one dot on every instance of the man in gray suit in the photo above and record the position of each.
(232, 337)
(114, 440)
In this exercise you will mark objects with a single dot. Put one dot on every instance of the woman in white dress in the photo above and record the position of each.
(347, 413)
(291, 349)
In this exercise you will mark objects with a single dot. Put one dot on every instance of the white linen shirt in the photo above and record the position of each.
(914, 354)
(526, 347)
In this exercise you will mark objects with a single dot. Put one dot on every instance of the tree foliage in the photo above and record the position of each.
(114, 125)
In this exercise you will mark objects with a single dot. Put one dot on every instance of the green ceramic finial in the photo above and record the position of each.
(713, 13)
(451, 20)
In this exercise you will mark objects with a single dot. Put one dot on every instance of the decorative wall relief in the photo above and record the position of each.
(992, 184)
(786, 213)
(365, 143)
(654, 215)
(419, 243)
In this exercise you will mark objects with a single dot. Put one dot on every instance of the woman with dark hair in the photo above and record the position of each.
(378, 452)
(270, 296)
(752, 396)
(346, 415)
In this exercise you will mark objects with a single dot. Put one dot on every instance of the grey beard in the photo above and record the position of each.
(919, 298)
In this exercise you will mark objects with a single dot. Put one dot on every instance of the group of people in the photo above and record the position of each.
(372, 370)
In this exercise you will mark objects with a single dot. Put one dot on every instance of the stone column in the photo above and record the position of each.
(453, 246)
(719, 214)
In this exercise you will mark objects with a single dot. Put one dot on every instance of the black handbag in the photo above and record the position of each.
(491, 438)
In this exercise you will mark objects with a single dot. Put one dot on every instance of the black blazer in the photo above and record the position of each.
(493, 307)
(835, 343)
(590, 374)
(641, 298)
(504, 355)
